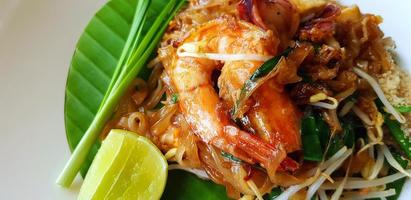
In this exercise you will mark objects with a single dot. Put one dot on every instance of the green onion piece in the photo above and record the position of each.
(268, 66)
(398, 184)
(310, 136)
(336, 144)
(263, 73)
(346, 138)
(133, 37)
(398, 134)
(275, 192)
(353, 97)
(231, 157)
(174, 98)
(403, 109)
(141, 48)
(348, 134)
(103, 115)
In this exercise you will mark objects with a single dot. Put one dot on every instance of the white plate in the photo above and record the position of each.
(37, 39)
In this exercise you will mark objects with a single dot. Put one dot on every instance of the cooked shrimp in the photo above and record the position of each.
(203, 109)
(275, 116)
(272, 114)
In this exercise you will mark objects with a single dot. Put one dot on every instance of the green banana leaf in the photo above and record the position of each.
(92, 66)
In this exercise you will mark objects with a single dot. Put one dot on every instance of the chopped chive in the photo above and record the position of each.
(134, 35)
(174, 98)
(252, 83)
(275, 192)
(398, 134)
(128, 73)
(310, 136)
(231, 157)
(403, 109)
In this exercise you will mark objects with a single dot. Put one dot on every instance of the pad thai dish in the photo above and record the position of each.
(295, 96)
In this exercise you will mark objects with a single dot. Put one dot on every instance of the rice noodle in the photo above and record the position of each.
(369, 195)
(155, 76)
(247, 197)
(358, 183)
(330, 116)
(234, 175)
(164, 122)
(364, 117)
(314, 187)
(155, 96)
(191, 50)
(141, 91)
(391, 160)
(374, 84)
(198, 172)
(153, 62)
(170, 153)
(137, 122)
(344, 94)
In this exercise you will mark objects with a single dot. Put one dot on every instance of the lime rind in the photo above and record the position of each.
(127, 166)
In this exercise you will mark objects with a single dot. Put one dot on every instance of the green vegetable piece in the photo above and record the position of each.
(336, 144)
(348, 133)
(94, 60)
(275, 192)
(269, 65)
(398, 184)
(346, 138)
(131, 43)
(80, 154)
(187, 186)
(231, 157)
(403, 109)
(353, 97)
(398, 134)
(251, 84)
(174, 98)
(310, 136)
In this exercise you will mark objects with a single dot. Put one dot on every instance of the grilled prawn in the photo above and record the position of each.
(205, 112)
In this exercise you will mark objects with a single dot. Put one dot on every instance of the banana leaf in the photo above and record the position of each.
(95, 58)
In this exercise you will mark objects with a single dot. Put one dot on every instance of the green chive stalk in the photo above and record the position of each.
(133, 37)
(103, 115)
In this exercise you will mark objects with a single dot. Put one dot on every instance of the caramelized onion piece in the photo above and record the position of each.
(322, 26)
(279, 16)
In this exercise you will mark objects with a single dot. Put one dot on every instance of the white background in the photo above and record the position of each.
(37, 39)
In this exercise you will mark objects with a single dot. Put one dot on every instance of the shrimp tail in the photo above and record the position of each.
(268, 155)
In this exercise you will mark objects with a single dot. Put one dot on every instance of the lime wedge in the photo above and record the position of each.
(126, 166)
